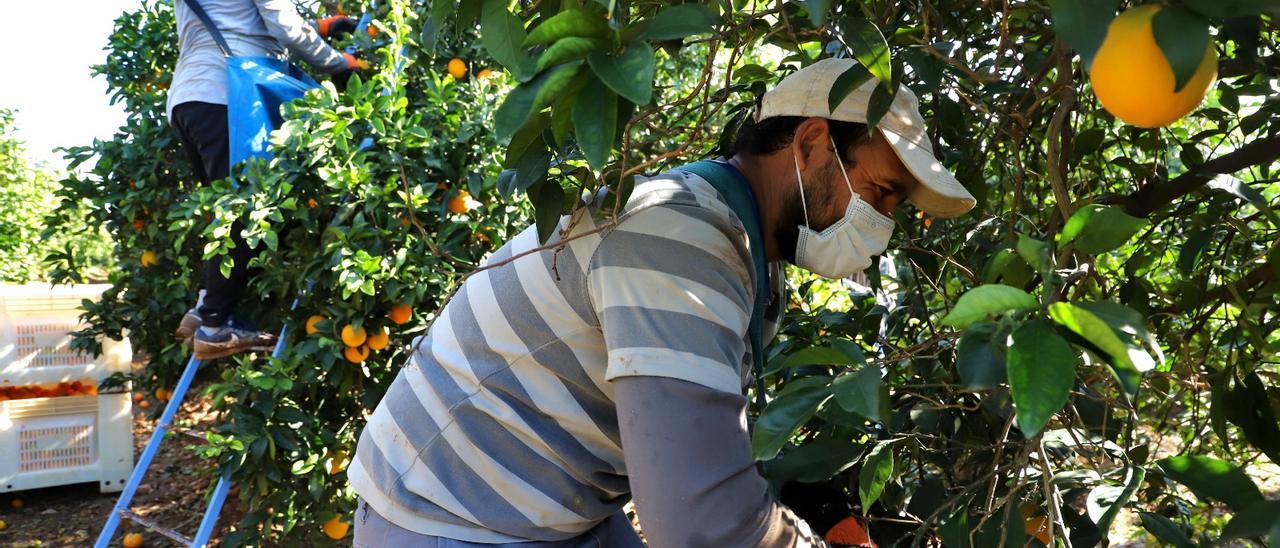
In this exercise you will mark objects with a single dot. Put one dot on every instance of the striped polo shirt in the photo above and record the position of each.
(501, 427)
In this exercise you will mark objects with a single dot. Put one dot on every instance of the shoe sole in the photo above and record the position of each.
(222, 353)
(186, 330)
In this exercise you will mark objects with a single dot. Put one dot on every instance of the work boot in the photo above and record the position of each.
(232, 337)
(190, 321)
(188, 326)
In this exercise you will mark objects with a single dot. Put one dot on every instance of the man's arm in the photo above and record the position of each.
(688, 457)
(671, 286)
(299, 36)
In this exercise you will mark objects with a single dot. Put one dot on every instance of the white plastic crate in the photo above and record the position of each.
(56, 441)
(36, 321)
(50, 441)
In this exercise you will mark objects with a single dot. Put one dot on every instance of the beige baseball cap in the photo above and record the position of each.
(805, 93)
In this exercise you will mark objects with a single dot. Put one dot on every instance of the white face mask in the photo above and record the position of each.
(846, 247)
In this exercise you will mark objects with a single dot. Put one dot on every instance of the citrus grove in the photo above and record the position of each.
(1091, 350)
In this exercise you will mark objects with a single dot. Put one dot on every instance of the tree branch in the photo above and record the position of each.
(1155, 196)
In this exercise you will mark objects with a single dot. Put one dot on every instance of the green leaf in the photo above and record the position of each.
(1191, 251)
(1126, 322)
(1225, 9)
(1097, 228)
(501, 32)
(1254, 521)
(815, 461)
(515, 110)
(1083, 24)
(571, 22)
(1215, 479)
(1036, 253)
(1239, 189)
(786, 413)
(980, 364)
(679, 21)
(877, 470)
(554, 83)
(819, 355)
(986, 300)
(1165, 530)
(848, 81)
(1106, 501)
(869, 48)
(1119, 354)
(818, 11)
(1183, 36)
(879, 103)
(529, 135)
(547, 206)
(630, 74)
(1248, 406)
(860, 392)
(569, 48)
(1042, 370)
(595, 122)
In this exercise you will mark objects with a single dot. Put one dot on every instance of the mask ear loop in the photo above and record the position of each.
(852, 194)
(800, 181)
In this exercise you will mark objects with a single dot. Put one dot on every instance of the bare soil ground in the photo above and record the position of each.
(172, 494)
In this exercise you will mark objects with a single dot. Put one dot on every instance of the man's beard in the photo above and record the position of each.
(817, 198)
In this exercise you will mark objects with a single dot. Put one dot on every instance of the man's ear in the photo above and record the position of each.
(810, 142)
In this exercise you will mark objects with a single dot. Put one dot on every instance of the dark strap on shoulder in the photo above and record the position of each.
(209, 26)
(743, 203)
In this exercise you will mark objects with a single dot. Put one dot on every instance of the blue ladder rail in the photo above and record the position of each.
(216, 501)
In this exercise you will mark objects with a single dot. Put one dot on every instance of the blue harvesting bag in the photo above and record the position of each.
(256, 87)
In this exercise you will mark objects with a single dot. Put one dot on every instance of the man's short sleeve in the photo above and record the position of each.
(671, 289)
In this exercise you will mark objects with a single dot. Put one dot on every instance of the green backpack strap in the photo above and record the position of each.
(743, 203)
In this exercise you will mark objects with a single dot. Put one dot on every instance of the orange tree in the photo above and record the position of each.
(1098, 336)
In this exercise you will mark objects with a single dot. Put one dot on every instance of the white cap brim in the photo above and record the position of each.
(939, 193)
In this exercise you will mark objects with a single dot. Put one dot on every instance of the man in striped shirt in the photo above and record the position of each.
(557, 386)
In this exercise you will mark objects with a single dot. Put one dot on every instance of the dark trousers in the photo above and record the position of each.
(202, 128)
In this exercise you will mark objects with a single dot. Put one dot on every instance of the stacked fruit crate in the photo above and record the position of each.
(55, 427)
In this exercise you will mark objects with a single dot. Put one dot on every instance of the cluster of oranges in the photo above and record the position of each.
(359, 341)
(71, 388)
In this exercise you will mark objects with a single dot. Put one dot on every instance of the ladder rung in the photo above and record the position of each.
(145, 522)
(197, 434)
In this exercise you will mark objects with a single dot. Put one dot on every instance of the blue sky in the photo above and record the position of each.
(49, 46)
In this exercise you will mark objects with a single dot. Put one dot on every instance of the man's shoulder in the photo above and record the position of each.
(682, 190)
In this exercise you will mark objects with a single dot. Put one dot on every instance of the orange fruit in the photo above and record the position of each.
(848, 531)
(1038, 527)
(3, 525)
(484, 74)
(379, 339)
(335, 528)
(353, 336)
(458, 204)
(457, 68)
(311, 324)
(132, 540)
(17, 503)
(400, 313)
(144, 404)
(1133, 80)
(137, 396)
(372, 30)
(337, 462)
(356, 354)
(139, 225)
(149, 258)
(162, 394)
(311, 203)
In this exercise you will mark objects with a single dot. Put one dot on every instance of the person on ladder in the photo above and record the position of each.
(197, 110)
